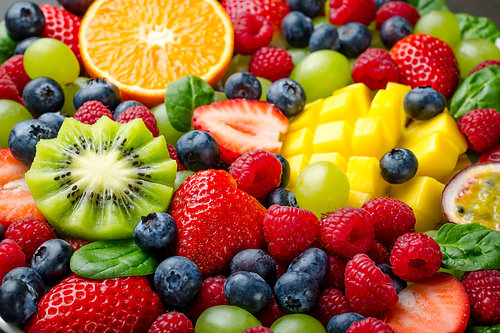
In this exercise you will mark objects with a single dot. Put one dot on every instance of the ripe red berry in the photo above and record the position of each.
(210, 294)
(143, 113)
(375, 68)
(29, 234)
(331, 303)
(270, 313)
(483, 288)
(258, 329)
(369, 325)
(92, 111)
(11, 256)
(485, 64)
(76, 243)
(415, 257)
(335, 273)
(14, 67)
(251, 32)
(271, 62)
(492, 155)
(481, 127)
(397, 8)
(346, 11)
(8, 89)
(378, 253)
(173, 155)
(172, 322)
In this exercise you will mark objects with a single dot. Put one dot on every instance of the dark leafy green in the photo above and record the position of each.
(183, 96)
(469, 247)
(486, 329)
(112, 258)
(7, 44)
(425, 6)
(480, 90)
(477, 27)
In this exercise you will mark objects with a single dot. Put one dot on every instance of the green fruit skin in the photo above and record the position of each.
(171, 135)
(69, 92)
(472, 52)
(220, 96)
(441, 24)
(265, 84)
(180, 177)
(297, 323)
(298, 54)
(7, 44)
(238, 63)
(320, 20)
(10, 114)
(225, 319)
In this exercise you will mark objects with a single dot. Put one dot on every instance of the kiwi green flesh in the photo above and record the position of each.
(95, 182)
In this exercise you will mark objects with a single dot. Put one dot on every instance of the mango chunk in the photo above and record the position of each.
(371, 137)
(386, 105)
(308, 117)
(335, 158)
(298, 142)
(358, 199)
(348, 106)
(297, 164)
(362, 92)
(364, 176)
(462, 163)
(333, 137)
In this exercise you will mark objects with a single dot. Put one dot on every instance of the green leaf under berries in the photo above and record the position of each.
(112, 258)
(479, 91)
(486, 329)
(183, 96)
(7, 44)
(425, 6)
(469, 247)
(477, 27)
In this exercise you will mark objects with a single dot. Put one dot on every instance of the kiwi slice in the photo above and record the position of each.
(96, 181)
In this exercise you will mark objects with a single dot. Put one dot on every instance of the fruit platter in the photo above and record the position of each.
(249, 166)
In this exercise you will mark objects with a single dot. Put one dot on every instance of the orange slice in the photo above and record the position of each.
(142, 45)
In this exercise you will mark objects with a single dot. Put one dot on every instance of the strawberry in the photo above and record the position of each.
(14, 66)
(272, 10)
(242, 125)
(215, 220)
(439, 304)
(77, 304)
(424, 60)
(8, 88)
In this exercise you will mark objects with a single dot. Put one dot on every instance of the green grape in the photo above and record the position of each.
(327, 8)
(10, 114)
(376, 40)
(171, 135)
(225, 319)
(472, 52)
(320, 20)
(180, 177)
(239, 63)
(322, 188)
(297, 323)
(265, 84)
(69, 92)
(321, 73)
(440, 24)
(220, 96)
(279, 40)
(51, 58)
(298, 54)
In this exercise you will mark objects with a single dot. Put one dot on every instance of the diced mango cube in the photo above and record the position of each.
(386, 105)
(308, 117)
(298, 142)
(333, 137)
(358, 199)
(370, 138)
(347, 106)
(361, 91)
(297, 164)
(335, 158)
(400, 89)
(364, 176)
(462, 163)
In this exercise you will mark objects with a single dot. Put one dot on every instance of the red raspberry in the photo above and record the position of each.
(481, 127)
(251, 32)
(271, 62)
(369, 291)
(391, 219)
(369, 325)
(346, 11)
(91, 111)
(483, 288)
(335, 274)
(210, 294)
(281, 266)
(76, 243)
(258, 329)
(378, 253)
(172, 322)
(173, 155)
(347, 231)
(140, 112)
(8, 89)
(15, 68)
(11, 256)
(397, 8)
(485, 64)
(375, 68)
(492, 155)
(257, 172)
(331, 303)
(289, 231)
(29, 234)
(270, 313)
(415, 257)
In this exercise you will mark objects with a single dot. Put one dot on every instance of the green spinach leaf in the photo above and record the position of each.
(425, 6)
(7, 44)
(477, 27)
(486, 329)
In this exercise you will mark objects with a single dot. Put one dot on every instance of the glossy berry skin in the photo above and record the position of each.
(2, 232)
(312, 261)
(211, 294)
(24, 137)
(323, 38)
(423, 103)
(341, 323)
(346, 11)
(297, 29)
(398, 166)
(177, 280)
(29, 276)
(17, 302)
(11, 256)
(90, 112)
(124, 106)
(54, 119)
(354, 39)
(481, 127)
(198, 150)
(14, 67)
(370, 325)
(311, 8)
(399, 284)
(76, 243)
(98, 90)
(143, 113)
(335, 273)
(24, 44)
(24, 19)
(251, 31)
(156, 233)
(331, 303)
(375, 68)
(247, 290)
(397, 8)
(243, 85)
(296, 292)
(483, 288)
(394, 29)
(29, 234)
(285, 170)
(282, 197)
(288, 96)
(77, 7)
(485, 64)
(255, 261)
(271, 10)
(258, 329)
(51, 260)
(174, 322)
(492, 155)
(43, 95)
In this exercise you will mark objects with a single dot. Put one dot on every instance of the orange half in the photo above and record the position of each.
(143, 45)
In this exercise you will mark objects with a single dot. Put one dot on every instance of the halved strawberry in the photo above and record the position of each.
(10, 168)
(272, 10)
(439, 304)
(242, 125)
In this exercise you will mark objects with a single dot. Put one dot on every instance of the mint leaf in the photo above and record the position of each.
(112, 258)
(183, 96)
(469, 247)
(425, 6)
(7, 44)
(486, 329)
(477, 27)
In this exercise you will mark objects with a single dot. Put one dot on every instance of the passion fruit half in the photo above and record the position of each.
(473, 196)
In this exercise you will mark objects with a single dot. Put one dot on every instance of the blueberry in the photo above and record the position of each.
(323, 38)
(394, 29)
(24, 19)
(77, 7)
(43, 95)
(29, 276)
(398, 166)
(54, 119)
(280, 196)
(354, 39)
(424, 103)
(51, 260)
(243, 85)
(198, 150)
(288, 96)
(248, 291)
(17, 302)
(311, 8)
(25, 135)
(256, 261)
(297, 29)
(24, 44)
(124, 106)
(296, 292)
(2, 232)
(177, 280)
(340, 323)
(399, 284)
(285, 170)
(312, 261)
(156, 233)
(99, 90)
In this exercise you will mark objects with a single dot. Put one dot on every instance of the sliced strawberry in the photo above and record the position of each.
(439, 304)
(272, 10)
(242, 125)
(10, 168)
